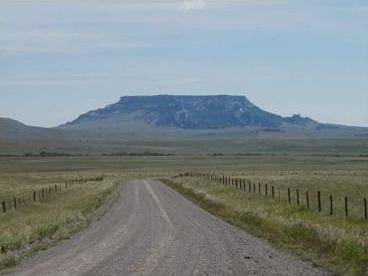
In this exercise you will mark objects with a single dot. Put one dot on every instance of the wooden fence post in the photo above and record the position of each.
(273, 192)
(249, 187)
(266, 190)
(15, 203)
(346, 208)
(289, 197)
(331, 206)
(307, 199)
(259, 187)
(365, 209)
(319, 201)
(297, 197)
(4, 207)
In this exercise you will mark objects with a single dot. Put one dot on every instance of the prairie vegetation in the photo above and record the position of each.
(204, 144)
(39, 224)
(330, 241)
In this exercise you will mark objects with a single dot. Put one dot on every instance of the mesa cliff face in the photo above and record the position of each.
(188, 112)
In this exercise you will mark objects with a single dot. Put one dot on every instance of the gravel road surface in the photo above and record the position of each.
(152, 230)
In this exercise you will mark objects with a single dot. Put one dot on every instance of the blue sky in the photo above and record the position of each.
(59, 59)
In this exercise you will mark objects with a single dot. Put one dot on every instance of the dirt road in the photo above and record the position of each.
(152, 230)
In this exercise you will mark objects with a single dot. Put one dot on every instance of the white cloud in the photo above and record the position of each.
(189, 5)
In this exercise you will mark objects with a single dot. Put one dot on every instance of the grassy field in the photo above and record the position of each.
(38, 225)
(202, 145)
(331, 242)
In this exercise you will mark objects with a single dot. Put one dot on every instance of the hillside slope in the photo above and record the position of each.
(177, 124)
(186, 112)
(12, 129)
(220, 115)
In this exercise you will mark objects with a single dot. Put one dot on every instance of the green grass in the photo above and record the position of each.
(199, 144)
(24, 183)
(330, 242)
(339, 182)
(40, 224)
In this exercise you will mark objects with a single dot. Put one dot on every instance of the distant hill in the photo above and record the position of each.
(186, 112)
(13, 130)
(167, 124)
(18, 138)
(153, 119)
(213, 115)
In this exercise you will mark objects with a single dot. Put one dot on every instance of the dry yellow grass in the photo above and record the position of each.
(38, 224)
(332, 242)
(327, 240)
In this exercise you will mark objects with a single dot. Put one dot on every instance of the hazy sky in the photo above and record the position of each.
(61, 58)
